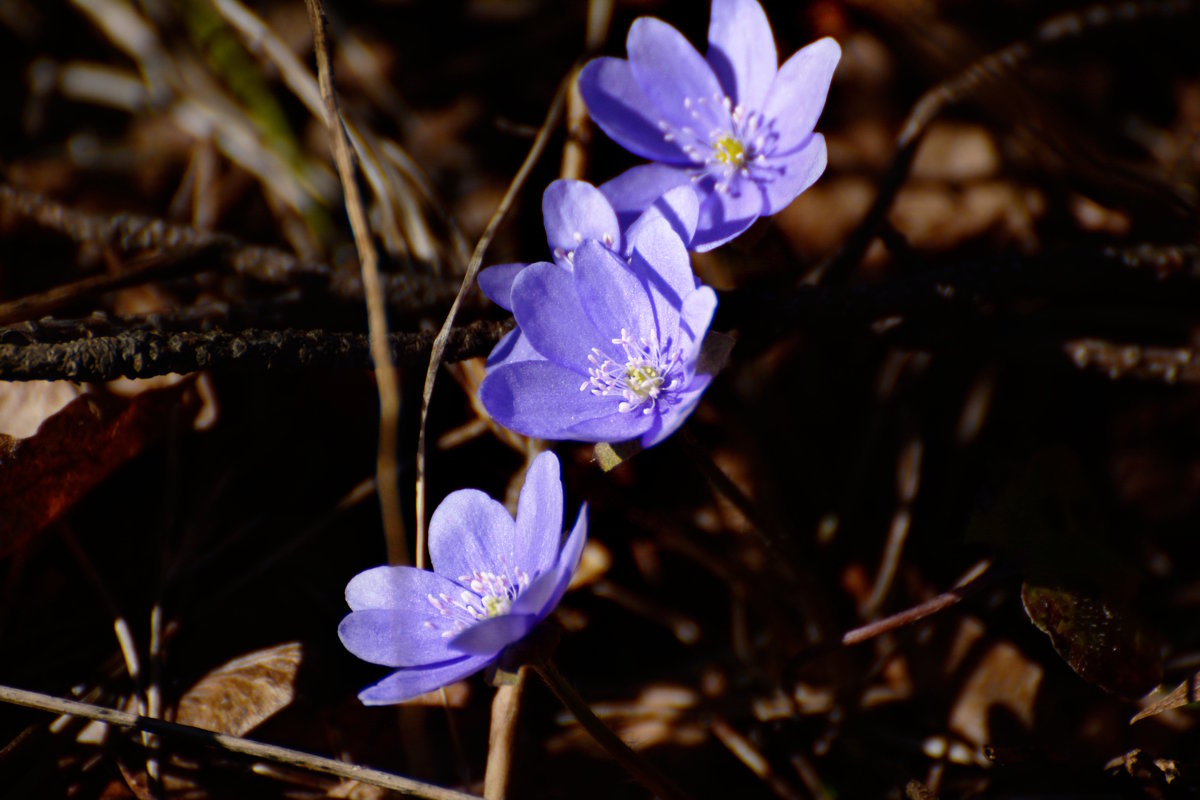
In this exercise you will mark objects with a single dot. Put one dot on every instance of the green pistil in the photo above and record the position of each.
(495, 606)
(729, 150)
(643, 380)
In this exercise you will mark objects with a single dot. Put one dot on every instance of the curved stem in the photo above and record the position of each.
(641, 770)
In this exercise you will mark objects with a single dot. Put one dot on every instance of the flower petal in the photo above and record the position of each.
(512, 348)
(678, 207)
(406, 684)
(540, 398)
(660, 260)
(612, 295)
(670, 422)
(618, 106)
(539, 516)
(470, 531)
(496, 283)
(801, 171)
(695, 317)
(396, 638)
(675, 78)
(741, 51)
(546, 304)
(634, 191)
(797, 95)
(616, 427)
(488, 637)
(725, 215)
(575, 211)
(396, 588)
(564, 570)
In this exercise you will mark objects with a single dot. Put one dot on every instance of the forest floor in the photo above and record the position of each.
(966, 419)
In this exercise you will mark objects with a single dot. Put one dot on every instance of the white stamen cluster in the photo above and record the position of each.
(738, 147)
(646, 378)
(485, 595)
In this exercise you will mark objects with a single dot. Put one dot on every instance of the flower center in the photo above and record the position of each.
(727, 143)
(646, 378)
(485, 595)
(728, 150)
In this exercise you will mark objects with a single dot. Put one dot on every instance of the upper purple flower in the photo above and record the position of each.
(493, 579)
(610, 350)
(575, 211)
(736, 125)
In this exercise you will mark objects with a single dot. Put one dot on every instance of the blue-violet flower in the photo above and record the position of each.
(735, 125)
(574, 212)
(493, 580)
(610, 350)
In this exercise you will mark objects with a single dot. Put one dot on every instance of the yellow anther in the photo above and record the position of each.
(729, 150)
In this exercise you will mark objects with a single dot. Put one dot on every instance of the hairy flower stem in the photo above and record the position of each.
(633, 763)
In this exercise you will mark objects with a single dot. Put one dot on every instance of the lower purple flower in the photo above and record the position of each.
(494, 578)
(609, 351)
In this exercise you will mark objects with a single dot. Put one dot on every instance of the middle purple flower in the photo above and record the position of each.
(610, 350)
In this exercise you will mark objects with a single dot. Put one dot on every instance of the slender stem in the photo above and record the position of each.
(232, 744)
(506, 706)
(633, 763)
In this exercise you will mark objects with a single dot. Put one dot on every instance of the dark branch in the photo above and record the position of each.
(144, 353)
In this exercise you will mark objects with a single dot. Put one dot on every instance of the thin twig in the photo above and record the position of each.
(386, 472)
(553, 114)
(232, 744)
(977, 578)
(643, 771)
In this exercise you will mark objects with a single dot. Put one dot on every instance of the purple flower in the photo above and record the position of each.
(736, 125)
(575, 212)
(609, 350)
(493, 579)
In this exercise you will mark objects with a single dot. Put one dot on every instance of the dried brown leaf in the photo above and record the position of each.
(239, 695)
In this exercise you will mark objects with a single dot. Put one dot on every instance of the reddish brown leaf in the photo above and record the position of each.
(44, 475)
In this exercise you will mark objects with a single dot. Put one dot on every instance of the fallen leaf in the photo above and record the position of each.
(1100, 638)
(1003, 677)
(44, 475)
(238, 696)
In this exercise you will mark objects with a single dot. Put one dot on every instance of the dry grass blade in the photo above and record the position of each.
(386, 472)
(1182, 695)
